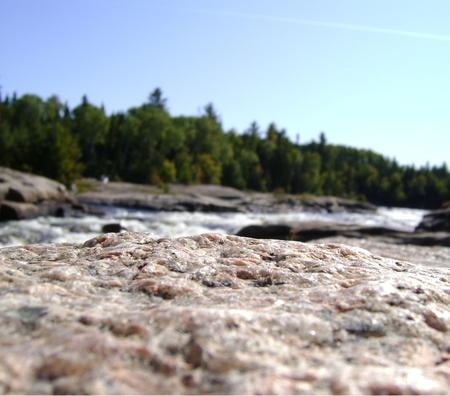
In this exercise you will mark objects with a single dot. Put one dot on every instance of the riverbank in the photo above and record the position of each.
(179, 210)
(209, 198)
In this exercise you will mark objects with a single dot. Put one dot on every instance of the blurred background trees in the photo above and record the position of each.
(148, 145)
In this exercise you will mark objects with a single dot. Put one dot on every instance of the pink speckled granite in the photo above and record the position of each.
(129, 313)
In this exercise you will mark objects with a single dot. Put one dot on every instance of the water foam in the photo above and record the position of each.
(174, 224)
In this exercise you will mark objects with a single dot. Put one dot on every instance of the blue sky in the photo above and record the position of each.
(371, 74)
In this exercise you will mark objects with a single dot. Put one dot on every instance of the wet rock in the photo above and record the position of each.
(316, 230)
(270, 231)
(112, 227)
(307, 231)
(436, 220)
(131, 313)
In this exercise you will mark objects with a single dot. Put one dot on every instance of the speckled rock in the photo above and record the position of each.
(430, 256)
(129, 313)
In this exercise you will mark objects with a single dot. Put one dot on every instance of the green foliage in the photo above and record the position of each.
(210, 170)
(147, 145)
(89, 125)
(168, 172)
(35, 137)
(156, 99)
(85, 185)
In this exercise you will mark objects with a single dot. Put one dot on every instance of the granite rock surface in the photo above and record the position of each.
(130, 313)
(429, 256)
(24, 195)
(210, 198)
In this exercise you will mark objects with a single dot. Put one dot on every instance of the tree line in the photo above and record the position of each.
(147, 145)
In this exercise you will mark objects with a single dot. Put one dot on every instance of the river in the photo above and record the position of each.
(174, 224)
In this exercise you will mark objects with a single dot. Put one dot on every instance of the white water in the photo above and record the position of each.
(174, 224)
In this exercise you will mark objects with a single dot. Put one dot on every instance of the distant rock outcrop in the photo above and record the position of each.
(315, 230)
(129, 313)
(23, 196)
(436, 220)
(201, 198)
(212, 198)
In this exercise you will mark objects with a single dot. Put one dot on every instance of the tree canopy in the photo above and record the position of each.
(148, 145)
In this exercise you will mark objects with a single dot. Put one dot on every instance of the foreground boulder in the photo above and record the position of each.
(24, 196)
(436, 220)
(129, 313)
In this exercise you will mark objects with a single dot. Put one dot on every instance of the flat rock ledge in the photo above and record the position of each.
(211, 198)
(129, 313)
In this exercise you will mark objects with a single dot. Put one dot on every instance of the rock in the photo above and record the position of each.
(17, 210)
(426, 238)
(25, 187)
(204, 198)
(269, 231)
(210, 198)
(129, 313)
(437, 255)
(209, 190)
(208, 204)
(112, 227)
(303, 232)
(24, 196)
(337, 205)
(436, 220)
(270, 203)
(316, 230)
(160, 202)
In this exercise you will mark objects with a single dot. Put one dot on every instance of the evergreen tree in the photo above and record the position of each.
(147, 145)
(157, 100)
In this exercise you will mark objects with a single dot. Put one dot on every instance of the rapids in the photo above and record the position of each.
(174, 224)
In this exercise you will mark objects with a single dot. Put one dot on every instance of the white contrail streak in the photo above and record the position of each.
(335, 25)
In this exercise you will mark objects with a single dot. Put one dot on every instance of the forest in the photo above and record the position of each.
(146, 144)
